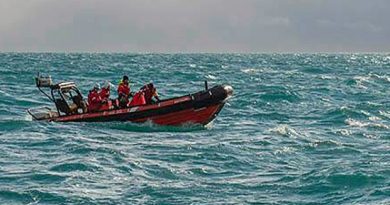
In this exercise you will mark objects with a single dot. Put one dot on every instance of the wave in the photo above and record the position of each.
(357, 123)
(151, 127)
(285, 130)
(299, 130)
(73, 166)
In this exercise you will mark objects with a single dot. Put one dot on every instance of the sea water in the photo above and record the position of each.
(300, 129)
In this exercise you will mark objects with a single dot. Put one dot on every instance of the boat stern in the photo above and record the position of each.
(42, 113)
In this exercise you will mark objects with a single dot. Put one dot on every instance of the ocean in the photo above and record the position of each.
(299, 129)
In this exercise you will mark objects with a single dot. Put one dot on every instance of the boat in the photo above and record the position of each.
(70, 106)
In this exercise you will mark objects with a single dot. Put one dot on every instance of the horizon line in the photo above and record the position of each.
(200, 52)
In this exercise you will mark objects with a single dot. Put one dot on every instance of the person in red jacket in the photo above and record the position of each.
(105, 96)
(105, 92)
(94, 99)
(124, 92)
(138, 99)
(149, 92)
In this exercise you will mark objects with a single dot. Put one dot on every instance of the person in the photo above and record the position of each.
(73, 107)
(80, 103)
(149, 92)
(138, 99)
(124, 92)
(94, 99)
(104, 94)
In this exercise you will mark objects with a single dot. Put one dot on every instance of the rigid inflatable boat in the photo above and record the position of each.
(197, 108)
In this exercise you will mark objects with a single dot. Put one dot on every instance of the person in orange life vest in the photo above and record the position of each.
(149, 92)
(124, 92)
(94, 99)
(138, 99)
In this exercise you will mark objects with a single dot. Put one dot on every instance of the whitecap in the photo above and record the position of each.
(356, 123)
(382, 77)
(344, 132)
(365, 112)
(249, 70)
(246, 122)
(326, 77)
(384, 114)
(374, 118)
(285, 150)
(343, 108)
(370, 136)
(379, 125)
(360, 80)
(211, 77)
(374, 104)
(28, 117)
(116, 64)
(284, 130)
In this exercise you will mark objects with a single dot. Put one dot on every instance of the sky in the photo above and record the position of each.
(176, 26)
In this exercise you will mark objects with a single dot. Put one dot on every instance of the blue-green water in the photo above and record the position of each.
(300, 129)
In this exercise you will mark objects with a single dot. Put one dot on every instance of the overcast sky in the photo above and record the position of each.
(195, 25)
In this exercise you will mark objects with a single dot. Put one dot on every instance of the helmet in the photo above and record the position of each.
(96, 86)
(107, 84)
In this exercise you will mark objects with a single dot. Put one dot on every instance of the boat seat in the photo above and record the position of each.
(80, 103)
(63, 106)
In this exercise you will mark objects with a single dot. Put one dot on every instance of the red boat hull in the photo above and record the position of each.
(197, 108)
(195, 116)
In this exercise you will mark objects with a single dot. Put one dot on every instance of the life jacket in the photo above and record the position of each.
(149, 93)
(106, 106)
(94, 101)
(105, 93)
(138, 99)
(123, 90)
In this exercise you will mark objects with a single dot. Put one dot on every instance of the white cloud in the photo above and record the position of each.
(191, 26)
